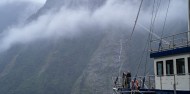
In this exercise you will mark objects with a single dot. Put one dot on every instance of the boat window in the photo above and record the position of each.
(160, 71)
(180, 65)
(189, 64)
(169, 67)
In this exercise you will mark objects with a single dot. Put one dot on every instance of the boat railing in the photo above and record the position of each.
(149, 80)
(170, 42)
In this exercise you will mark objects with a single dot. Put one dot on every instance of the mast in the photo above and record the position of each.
(188, 20)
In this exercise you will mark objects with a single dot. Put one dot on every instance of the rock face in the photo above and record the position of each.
(10, 14)
(78, 65)
(57, 4)
(62, 66)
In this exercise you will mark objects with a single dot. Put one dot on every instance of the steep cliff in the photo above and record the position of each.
(82, 64)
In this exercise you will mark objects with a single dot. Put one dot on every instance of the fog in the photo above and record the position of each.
(68, 22)
(3, 2)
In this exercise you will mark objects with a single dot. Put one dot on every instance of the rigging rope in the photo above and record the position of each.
(131, 32)
(136, 20)
(149, 36)
(160, 44)
(152, 31)
(155, 16)
(152, 23)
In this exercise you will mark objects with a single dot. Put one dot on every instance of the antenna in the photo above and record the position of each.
(188, 20)
(120, 53)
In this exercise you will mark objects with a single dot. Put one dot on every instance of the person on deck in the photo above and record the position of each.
(128, 79)
(123, 79)
(116, 81)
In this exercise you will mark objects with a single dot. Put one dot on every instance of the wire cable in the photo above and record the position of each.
(128, 41)
(162, 33)
(149, 36)
(136, 20)
(155, 16)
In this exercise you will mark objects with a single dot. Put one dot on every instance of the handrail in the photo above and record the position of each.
(171, 35)
(149, 81)
(170, 42)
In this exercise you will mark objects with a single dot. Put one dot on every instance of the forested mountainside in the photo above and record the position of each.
(81, 64)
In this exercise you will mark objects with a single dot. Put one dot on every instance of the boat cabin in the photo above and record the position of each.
(172, 63)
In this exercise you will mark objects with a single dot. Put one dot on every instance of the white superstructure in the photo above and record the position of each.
(172, 71)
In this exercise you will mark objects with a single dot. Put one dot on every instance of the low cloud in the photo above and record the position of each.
(3, 2)
(71, 22)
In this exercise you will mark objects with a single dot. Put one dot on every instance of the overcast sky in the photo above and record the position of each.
(10, 1)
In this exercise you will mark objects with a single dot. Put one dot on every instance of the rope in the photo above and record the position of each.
(149, 36)
(136, 20)
(155, 15)
(160, 44)
(132, 31)
(152, 22)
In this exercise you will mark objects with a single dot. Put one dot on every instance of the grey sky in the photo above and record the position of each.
(10, 1)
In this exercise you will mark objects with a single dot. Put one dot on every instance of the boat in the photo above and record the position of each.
(171, 68)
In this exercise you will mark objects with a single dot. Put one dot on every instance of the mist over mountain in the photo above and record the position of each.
(13, 13)
(72, 46)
